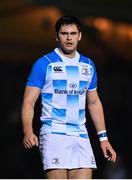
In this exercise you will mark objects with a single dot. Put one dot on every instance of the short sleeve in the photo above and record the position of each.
(93, 84)
(37, 75)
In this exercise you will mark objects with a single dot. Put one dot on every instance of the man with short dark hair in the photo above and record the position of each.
(65, 78)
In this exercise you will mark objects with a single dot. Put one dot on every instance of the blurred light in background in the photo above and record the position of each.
(116, 35)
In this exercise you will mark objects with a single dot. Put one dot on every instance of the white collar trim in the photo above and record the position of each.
(66, 59)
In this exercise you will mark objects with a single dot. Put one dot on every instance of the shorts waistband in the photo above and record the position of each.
(71, 134)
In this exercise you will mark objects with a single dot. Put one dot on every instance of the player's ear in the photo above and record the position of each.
(80, 36)
(57, 39)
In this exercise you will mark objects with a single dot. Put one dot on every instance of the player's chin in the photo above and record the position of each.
(69, 50)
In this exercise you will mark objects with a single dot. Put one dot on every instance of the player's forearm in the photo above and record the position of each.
(27, 117)
(97, 115)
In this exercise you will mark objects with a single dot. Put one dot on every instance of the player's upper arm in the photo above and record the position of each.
(31, 94)
(92, 97)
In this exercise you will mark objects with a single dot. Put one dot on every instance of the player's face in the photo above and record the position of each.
(68, 38)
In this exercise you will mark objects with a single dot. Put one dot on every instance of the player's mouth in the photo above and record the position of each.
(69, 44)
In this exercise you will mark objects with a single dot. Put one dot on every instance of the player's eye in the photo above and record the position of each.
(64, 33)
(73, 33)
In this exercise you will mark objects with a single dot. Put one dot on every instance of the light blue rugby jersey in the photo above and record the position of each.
(64, 83)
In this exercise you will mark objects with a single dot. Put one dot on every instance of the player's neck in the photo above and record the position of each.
(66, 54)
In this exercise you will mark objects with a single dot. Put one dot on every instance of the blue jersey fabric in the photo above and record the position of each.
(63, 87)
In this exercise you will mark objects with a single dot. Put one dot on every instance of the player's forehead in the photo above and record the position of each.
(68, 28)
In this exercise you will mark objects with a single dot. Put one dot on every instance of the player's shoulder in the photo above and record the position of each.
(86, 59)
(44, 60)
(53, 57)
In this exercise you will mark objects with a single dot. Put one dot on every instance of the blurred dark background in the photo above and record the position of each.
(26, 33)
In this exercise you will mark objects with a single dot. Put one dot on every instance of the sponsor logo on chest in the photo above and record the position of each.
(57, 69)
